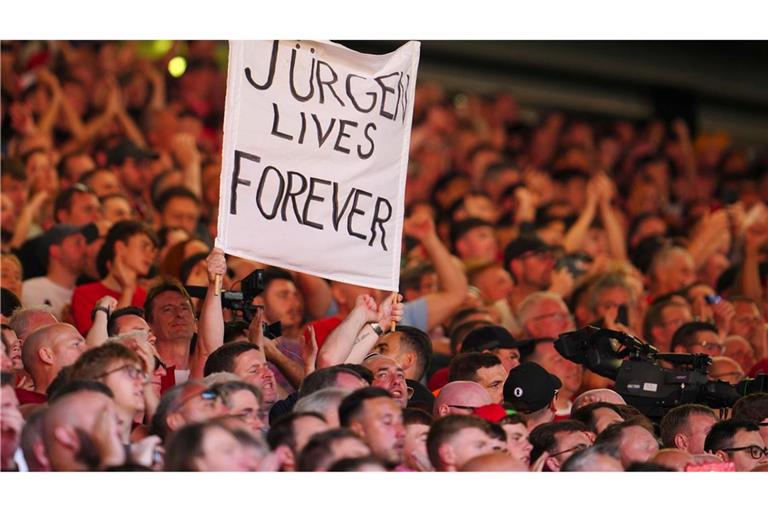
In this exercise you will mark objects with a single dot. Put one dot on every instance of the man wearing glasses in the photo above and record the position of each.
(560, 440)
(122, 371)
(737, 441)
(753, 408)
(186, 403)
(697, 338)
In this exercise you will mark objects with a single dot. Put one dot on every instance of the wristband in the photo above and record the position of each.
(376, 328)
(105, 309)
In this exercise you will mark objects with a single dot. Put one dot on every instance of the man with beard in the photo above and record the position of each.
(284, 303)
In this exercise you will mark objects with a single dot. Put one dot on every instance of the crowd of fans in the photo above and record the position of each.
(515, 232)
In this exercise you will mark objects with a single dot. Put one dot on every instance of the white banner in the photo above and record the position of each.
(315, 158)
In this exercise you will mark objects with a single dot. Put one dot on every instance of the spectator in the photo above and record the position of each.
(291, 433)
(64, 253)
(325, 448)
(485, 369)
(737, 441)
(460, 397)
(209, 446)
(685, 427)
(559, 441)
(753, 408)
(455, 440)
(632, 440)
(44, 353)
(127, 255)
(496, 340)
(377, 418)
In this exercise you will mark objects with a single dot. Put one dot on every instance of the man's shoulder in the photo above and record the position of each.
(36, 282)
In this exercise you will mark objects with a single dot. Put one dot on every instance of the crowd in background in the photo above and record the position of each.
(515, 232)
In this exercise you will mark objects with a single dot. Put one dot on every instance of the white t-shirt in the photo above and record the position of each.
(182, 376)
(40, 291)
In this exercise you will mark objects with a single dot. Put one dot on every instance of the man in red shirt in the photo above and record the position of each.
(45, 352)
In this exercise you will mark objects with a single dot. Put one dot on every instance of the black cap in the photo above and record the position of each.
(529, 387)
(489, 337)
(91, 233)
(55, 236)
(522, 245)
(127, 149)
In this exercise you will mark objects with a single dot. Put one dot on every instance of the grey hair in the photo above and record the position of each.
(19, 321)
(582, 460)
(525, 309)
(321, 400)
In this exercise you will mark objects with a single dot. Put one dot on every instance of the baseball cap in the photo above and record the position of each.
(493, 412)
(127, 149)
(489, 337)
(529, 387)
(55, 236)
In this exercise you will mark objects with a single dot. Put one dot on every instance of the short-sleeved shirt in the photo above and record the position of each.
(40, 291)
(84, 299)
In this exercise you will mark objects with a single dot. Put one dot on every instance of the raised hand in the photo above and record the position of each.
(389, 312)
(126, 277)
(256, 329)
(366, 305)
(420, 226)
(185, 150)
(108, 302)
(216, 263)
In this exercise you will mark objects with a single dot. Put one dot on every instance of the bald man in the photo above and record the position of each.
(46, 351)
(80, 432)
(496, 461)
(460, 397)
(598, 395)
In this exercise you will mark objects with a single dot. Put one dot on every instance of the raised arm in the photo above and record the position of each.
(450, 274)
(189, 159)
(97, 334)
(210, 335)
(617, 243)
(367, 336)
(48, 118)
(340, 342)
(575, 236)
